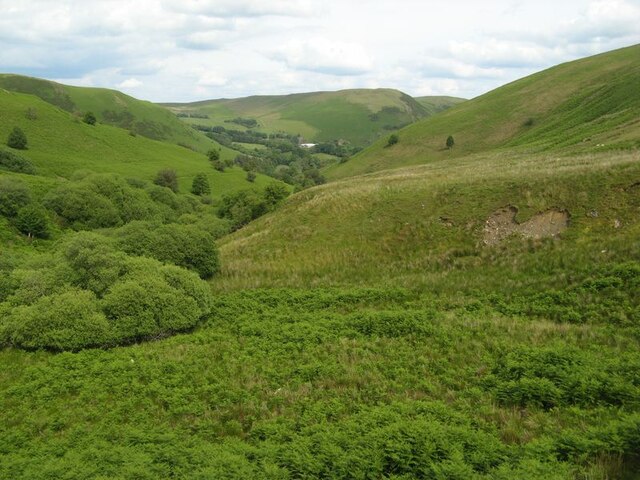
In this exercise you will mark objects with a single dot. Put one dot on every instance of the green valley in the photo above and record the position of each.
(468, 311)
(355, 116)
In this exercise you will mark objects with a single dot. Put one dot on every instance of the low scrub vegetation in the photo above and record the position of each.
(86, 293)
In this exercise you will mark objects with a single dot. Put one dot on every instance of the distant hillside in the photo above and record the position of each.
(59, 144)
(357, 116)
(587, 105)
(113, 108)
(437, 104)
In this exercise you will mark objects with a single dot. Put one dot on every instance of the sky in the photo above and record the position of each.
(187, 50)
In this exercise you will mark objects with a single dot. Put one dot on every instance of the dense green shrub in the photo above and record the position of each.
(178, 204)
(392, 140)
(15, 163)
(89, 118)
(17, 139)
(90, 294)
(184, 245)
(450, 142)
(94, 262)
(131, 203)
(68, 320)
(246, 205)
(141, 307)
(274, 194)
(81, 207)
(33, 221)
(14, 195)
(200, 185)
(242, 207)
(213, 155)
(167, 177)
(107, 200)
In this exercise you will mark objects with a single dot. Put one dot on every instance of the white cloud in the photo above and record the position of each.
(191, 49)
(494, 53)
(130, 83)
(212, 80)
(324, 56)
(240, 8)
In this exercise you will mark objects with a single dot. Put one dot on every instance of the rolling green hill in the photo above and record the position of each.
(59, 144)
(428, 223)
(112, 108)
(357, 116)
(474, 318)
(582, 106)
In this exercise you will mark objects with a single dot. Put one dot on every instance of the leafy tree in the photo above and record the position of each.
(246, 205)
(200, 185)
(13, 196)
(167, 178)
(218, 165)
(450, 142)
(94, 262)
(82, 207)
(242, 207)
(89, 118)
(17, 139)
(251, 176)
(274, 193)
(393, 139)
(32, 220)
(213, 155)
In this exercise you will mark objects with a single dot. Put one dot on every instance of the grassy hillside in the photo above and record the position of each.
(357, 116)
(59, 144)
(113, 108)
(437, 104)
(582, 106)
(426, 224)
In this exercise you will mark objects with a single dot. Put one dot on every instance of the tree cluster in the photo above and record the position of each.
(246, 205)
(89, 294)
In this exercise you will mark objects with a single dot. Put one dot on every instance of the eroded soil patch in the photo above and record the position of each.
(502, 223)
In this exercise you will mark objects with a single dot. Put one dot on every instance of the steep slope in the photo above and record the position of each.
(582, 106)
(60, 144)
(357, 116)
(437, 104)
(113, 108)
